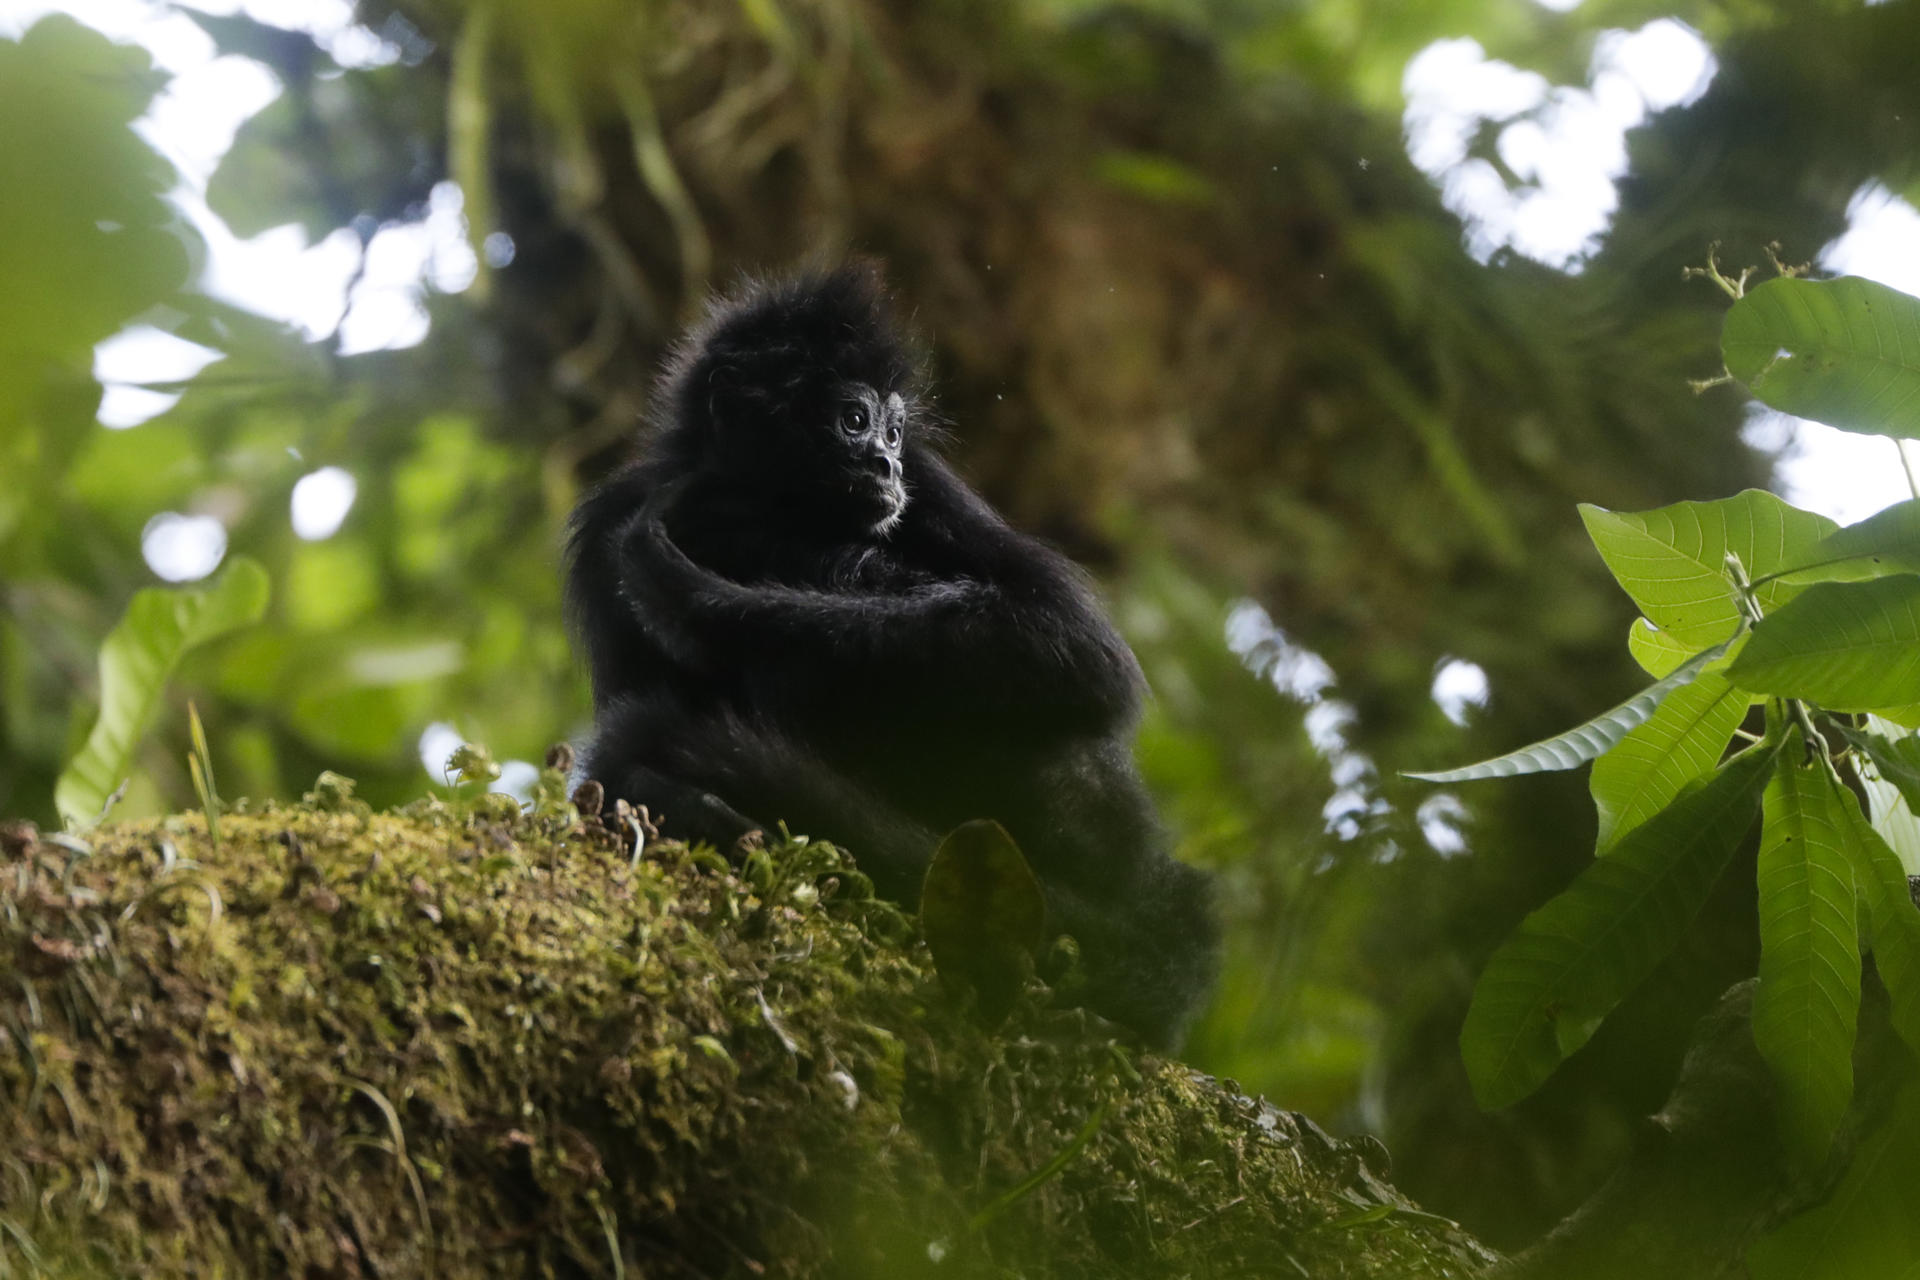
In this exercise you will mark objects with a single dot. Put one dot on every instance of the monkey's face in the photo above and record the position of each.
(833, 453)
(805, 392)
(868, 438)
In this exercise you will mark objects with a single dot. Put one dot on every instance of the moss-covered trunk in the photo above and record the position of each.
(469, 1042)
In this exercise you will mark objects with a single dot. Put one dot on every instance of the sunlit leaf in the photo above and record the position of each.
(1907, 717)
(1892, 819)
(87, 239)
(1568, 964)
(1683, 740)
(1894, 822)
(1672, 560)
(1849, 646)
(1865, 1230)
(1583, 742)
(1884, 543)
(1809, 996)
(1895, 759)
(1657, 652)
(1844, 352)
(138, 658)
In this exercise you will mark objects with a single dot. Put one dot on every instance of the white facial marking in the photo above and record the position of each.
(896, 496)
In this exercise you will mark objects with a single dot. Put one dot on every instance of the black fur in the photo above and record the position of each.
(771, 634)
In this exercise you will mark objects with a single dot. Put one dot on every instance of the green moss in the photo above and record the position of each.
(459, 1041)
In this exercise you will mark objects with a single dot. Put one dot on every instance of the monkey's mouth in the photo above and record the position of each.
(890, 496)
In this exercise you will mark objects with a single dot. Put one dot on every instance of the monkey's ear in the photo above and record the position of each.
(740, 399)
(719, 392)
(731, 389)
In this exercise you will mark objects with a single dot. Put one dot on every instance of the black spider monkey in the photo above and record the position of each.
(792, 608)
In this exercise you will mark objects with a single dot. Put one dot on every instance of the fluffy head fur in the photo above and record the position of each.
(755, 388)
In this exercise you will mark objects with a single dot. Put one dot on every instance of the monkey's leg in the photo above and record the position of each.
(776, 779)
(705, 771)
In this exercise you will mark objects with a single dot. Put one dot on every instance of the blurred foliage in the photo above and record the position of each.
(1194, 315)
(136, 662)
(85, 238)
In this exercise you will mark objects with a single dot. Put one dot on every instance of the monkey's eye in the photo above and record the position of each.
(893, 435)
(853, 420)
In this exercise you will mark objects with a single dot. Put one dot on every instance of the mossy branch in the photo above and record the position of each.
(463, 1041)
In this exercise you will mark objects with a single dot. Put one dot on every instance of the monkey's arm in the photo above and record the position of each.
(1035, 641)
(621, 655)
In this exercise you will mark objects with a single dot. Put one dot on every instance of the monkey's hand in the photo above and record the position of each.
(665, 590)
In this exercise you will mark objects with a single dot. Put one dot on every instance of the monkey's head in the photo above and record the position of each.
(803, 390)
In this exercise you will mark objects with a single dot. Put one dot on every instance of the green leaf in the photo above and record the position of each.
(1805, 1010)
(1867, 1229)
(1892, 818)
(200, 768)
(1844, 352)
(1897, 760)
(1672, 560)
(1888, 542)
(1893, 822)
(1549, 985)
(1893, 921)
(97, 244)
(1683, 740)
(1583, 742)
(138, 658)
(983, 913)
(1849, 646)
(1657, 652)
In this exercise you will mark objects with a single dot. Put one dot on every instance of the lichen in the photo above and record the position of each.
(460, 1040)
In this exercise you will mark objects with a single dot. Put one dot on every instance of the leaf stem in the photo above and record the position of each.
(1748, 604)
(1751, 607)
(1816, 741)
(1777, 574)
(1733, 288)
